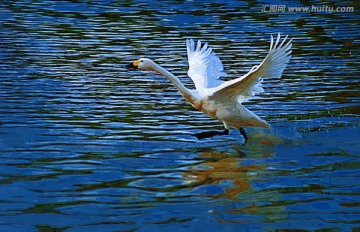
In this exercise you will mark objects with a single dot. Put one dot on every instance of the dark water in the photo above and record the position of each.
(87, 145)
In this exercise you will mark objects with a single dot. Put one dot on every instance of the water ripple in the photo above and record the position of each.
(87, 145)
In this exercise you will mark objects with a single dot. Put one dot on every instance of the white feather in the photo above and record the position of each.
(205, 68)
(245, 87)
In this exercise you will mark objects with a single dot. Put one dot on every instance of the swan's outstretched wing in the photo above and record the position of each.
(241, 89)
(205, 68)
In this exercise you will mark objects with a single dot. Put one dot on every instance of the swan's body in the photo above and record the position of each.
(219, 99)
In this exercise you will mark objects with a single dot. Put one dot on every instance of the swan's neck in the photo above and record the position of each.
(182, 89)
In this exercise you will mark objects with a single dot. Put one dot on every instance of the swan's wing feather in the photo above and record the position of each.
(205, 68)
(242, 89)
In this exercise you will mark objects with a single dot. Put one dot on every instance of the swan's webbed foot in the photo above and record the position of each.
(242, 132)
(209, 134)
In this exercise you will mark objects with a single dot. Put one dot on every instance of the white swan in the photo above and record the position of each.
(222, 100)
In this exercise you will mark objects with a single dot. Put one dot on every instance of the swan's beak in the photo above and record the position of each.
(131, 66)
(134, 65)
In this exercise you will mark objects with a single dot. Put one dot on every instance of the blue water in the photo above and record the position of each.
(87, 145)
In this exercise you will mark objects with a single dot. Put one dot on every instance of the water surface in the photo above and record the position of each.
(87, 145)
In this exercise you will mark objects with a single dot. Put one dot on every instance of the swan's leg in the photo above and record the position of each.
(242, 132)
(227, 128)
(209, 134)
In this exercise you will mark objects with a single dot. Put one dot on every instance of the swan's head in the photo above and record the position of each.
(143, 64)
